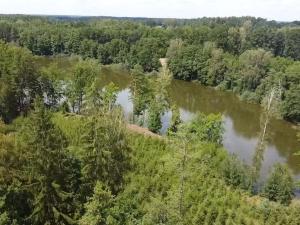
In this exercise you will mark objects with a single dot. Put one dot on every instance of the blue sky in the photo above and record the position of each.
(282, 10)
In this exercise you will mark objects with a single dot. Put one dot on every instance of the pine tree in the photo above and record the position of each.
(14, 207)
(50, 171)
(154, 114)
(98, 208)
(105, 154)
(175, 120)
(139, 90)
(279, 186)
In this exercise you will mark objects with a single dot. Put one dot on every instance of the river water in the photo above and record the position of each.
(241, 119)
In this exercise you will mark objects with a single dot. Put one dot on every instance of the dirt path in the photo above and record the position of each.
(142, 130)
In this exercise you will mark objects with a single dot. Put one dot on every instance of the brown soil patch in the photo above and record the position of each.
(142, 130)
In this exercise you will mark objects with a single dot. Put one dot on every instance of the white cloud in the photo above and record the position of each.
(284, 10)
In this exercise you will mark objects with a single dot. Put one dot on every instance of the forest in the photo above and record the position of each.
(245, 55)
(68, 155)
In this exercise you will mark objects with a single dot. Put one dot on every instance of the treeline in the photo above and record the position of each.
(48, 36)
(251, 75)
(66, 156)
(247, 55)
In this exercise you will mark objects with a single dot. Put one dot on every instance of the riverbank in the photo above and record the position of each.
(241, 119)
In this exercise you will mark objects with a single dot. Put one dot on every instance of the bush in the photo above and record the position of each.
(279, 186)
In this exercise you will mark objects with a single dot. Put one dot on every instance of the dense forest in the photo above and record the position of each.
(67, 155)
(246, 55)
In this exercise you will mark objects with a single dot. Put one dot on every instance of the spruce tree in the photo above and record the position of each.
(105, 153)
(154, 114)
(139, 90)
(98, 209)
(51, 173)
(175, 120)
(279, 186)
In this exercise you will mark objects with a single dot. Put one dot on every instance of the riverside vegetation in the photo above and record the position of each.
(246, 55)
(66, 156)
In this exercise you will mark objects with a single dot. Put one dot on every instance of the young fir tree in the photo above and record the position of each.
(98, 208)
(139, 90)
(105, 153)
(175, 120)
(51, 173)
(154, 114)
(279, 186)
(14, 207)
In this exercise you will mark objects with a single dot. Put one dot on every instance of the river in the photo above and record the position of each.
(241, 119)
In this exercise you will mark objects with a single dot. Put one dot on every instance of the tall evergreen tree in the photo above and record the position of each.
(175, 120)
(154, 114)
(139, 90)
(105, 154)
(98, 209)
(51, 173)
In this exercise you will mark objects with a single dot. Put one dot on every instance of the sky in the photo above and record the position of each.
(281, 10)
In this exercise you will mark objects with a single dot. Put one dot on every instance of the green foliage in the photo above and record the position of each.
(14, 200)
(159, 102)
(147, 52)
(174, 47)
(154, 189)
(154, 117)
(291, 104)
(254, 66)
(175, 120)
(71, 127)
(217, 68)
(188, 63)
(230, 53)
(52, 174)
(236, 173)
(18, 81)
(52, 85)
(139, 90)
(88, 48)
(104, 151)
(98, 207)
(149, 191)
(292, 38)
(206, 128)
(115, 51)
(67, 168)
(110, 96)
(83, 75)
(101, 99)
(279, 186)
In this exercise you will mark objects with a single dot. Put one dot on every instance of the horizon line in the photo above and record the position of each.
(144, 17)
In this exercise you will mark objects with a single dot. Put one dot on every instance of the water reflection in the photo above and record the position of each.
(241, 120)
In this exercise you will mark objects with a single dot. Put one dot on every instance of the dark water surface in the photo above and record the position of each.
(241, 119)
